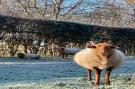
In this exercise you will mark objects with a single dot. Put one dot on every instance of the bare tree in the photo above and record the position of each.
(99, 12)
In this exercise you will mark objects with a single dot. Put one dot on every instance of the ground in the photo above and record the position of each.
(57, 73)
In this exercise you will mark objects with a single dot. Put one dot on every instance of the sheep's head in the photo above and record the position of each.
(103, 50)
(61, 50)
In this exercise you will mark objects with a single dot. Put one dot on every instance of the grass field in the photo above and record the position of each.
(57, 73)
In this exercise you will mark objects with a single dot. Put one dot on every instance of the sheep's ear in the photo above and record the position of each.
(61, 48)
(91, 46)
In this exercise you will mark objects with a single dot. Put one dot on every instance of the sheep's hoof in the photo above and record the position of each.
(90, 79)
(107, 83)
(97, 84)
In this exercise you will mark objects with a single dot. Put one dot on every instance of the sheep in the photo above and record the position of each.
(68, 51)
(28, 56)
(98, 57)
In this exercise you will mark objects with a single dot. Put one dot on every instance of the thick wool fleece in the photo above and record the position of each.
(88, 58)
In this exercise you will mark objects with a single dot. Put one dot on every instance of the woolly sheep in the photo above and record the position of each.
(28, 56)
(68, 51)
(98, 57)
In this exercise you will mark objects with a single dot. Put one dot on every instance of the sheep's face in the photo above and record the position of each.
(103, 50)
(61, 50)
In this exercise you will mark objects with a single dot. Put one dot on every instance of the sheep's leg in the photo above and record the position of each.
(53, 54)
(63, 55)
(66, 55)
(89, 74)
(97, 72)
(107, 75)
(45, 52)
